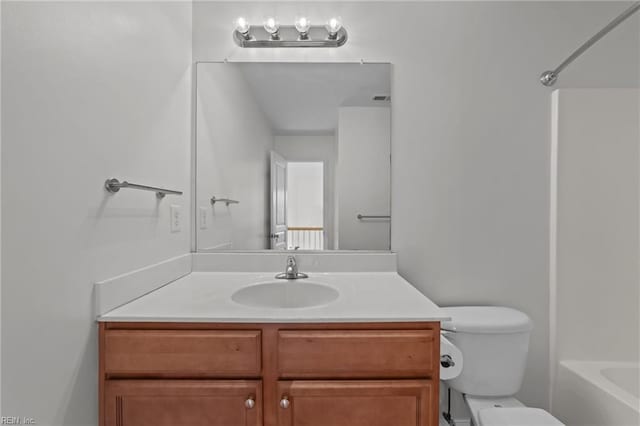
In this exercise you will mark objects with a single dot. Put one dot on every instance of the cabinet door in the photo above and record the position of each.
(357, 403)
(183, 402)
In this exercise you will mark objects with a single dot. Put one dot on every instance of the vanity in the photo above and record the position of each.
(269, 374)
(193, 352)
(227, 343)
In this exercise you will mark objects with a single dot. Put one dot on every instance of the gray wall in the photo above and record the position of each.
(90, 91)
(470, 131)
(104, 89)
(363, 177)
(234, 143)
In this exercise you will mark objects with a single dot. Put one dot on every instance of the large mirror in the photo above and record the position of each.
(293, 156)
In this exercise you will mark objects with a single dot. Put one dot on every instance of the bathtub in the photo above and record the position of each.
(599, 393)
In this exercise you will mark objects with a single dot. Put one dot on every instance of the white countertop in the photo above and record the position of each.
(206, 297)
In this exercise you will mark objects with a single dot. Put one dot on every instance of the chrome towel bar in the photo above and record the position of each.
(114, 185)
(362, 216)
(227, 201)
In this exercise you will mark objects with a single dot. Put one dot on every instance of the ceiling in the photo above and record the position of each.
(303, 98)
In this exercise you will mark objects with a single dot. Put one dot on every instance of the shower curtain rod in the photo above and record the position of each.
(548, 78)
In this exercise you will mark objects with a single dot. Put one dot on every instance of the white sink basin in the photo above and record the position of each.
(286, 294)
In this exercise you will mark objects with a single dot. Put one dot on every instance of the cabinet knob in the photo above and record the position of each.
(250, 403)
(284, 402)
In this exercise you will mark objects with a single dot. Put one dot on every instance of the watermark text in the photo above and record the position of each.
(17, 420)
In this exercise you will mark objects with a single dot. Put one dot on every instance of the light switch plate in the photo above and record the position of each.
(176, 218)
(202, 217)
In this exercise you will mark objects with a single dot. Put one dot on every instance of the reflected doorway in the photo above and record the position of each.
(305, 206)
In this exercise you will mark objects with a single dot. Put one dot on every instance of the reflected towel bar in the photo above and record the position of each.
(227, 201)
(114, 185)
(362, 216)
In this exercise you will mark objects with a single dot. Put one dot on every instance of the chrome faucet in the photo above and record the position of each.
(291, 272)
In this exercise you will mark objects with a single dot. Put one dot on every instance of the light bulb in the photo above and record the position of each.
(242, 26)
(272, 26)
(333, 26)
(302, 25)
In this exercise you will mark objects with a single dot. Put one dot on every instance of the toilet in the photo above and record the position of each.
(494, 342)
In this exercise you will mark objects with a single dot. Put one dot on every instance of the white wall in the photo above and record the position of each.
(315, 148)
(305, 194)
(234, 141)
(470, 131)
(91, 91)
(363, 177)
(597, 248)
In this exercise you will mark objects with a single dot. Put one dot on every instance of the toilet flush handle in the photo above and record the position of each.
(446, 361)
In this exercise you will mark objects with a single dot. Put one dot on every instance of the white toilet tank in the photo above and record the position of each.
(494, 342)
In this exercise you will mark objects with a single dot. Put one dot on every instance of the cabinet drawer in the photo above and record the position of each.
(182, 353)
(356, 353)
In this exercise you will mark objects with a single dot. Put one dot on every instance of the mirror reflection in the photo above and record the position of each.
(293, 156)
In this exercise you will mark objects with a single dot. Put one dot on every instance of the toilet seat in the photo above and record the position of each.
(516, 416)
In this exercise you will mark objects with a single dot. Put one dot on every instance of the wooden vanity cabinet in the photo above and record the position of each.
(351, 374)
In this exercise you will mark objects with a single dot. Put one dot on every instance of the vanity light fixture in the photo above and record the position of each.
(302, 26)
(272, 27)
(333, 26)
(243, 28)
(301, 34)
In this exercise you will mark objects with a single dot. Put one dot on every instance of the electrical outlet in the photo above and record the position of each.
(203, 217)
(176, 218)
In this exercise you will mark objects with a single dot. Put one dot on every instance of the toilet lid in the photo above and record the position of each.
(486, 320)
(516, 416)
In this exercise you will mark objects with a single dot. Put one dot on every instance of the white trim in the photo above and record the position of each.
(553, 241)
(275, 261)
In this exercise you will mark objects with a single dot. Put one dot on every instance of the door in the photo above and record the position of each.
(357, 403)
(183, 402)
(278, 233)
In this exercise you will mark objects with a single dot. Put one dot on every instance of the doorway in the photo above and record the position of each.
(305, 206)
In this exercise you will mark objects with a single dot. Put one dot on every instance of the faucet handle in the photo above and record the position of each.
(291, 271)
